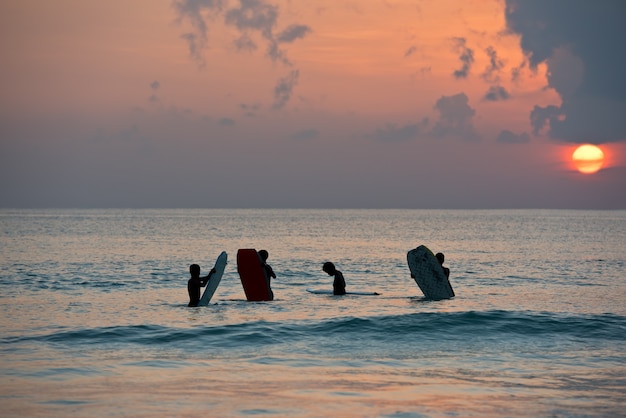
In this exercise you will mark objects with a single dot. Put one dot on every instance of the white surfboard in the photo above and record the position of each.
(428, 274)
(330, 292)
(214, 281)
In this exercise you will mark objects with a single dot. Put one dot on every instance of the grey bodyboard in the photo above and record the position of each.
(428, 274)
(211, 287)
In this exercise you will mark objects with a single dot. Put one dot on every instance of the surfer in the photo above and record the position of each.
(339, 284)
(196, 282)
(269, 272)
(440, 257)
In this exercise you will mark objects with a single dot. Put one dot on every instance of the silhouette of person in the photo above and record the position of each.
(269, 272)
(440, 257)
(196, 282)
(339, 284)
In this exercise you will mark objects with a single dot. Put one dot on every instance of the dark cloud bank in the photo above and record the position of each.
(582, 42)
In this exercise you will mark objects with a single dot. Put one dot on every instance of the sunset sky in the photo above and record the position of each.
(306, 104)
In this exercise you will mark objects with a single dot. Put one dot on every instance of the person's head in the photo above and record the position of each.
(263, 254)
(440, 257)
(329, 268)
(194, 270)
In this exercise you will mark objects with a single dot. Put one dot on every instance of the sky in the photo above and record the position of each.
(456, 104)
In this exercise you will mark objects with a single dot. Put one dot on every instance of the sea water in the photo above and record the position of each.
(94, 319)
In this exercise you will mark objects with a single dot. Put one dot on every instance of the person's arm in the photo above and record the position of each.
(270, 271)
(204, 280)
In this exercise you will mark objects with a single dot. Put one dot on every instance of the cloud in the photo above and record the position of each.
(466, 56)
(250, 110)
(154, 86)
(253, 15)
(509, 137)
(516, 71)
(192, 11)
(245, 43)
(195, 47)
(292, 33)
(496, 93)
(455, 118)
(226, 122)
(492, 72)
(580, 41)
(284, 88)
(393, 133)
(250, 18)
(421, 72)
(566, 72)
(412, 49)
(542, 116)
(256, 16)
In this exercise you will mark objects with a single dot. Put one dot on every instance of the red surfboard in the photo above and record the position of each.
(252, 274)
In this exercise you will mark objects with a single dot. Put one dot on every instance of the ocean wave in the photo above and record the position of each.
(460, 326)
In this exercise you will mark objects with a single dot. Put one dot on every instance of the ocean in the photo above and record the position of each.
(94, 319)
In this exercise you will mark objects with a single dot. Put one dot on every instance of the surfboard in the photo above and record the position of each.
(253, 277)
(214, 281)
(330, 292)
(428, 274)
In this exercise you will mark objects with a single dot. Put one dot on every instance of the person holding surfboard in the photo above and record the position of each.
(440, 257)
(269, 272)
(339, 284)
(196, 282)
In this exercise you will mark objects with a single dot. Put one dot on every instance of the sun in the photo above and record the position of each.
(588, 158)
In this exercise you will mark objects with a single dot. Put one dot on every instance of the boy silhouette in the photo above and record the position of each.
(196, 282)
(440, 257)
(339, 284)
(269, 272)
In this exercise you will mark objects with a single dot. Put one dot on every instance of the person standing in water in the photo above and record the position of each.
(440, 257)
(339, 284)
(269, 272)
(195, 283)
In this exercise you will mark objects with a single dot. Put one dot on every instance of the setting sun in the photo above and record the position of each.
(588, 158)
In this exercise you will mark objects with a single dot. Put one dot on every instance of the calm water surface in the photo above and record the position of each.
(93, 316)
